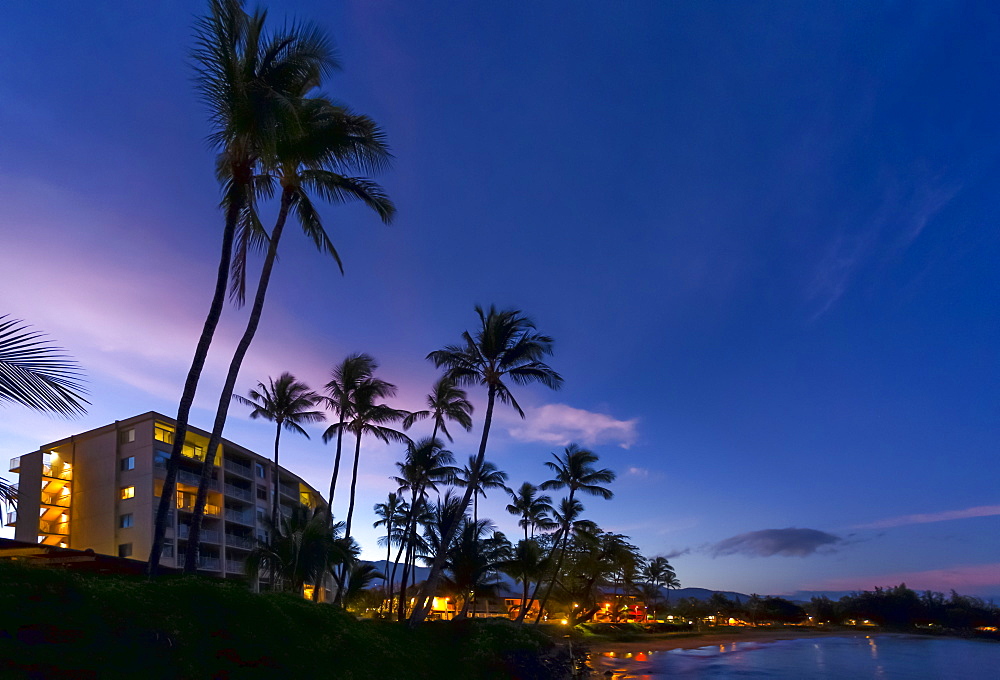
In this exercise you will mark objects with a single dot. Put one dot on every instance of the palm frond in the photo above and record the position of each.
(37, 374)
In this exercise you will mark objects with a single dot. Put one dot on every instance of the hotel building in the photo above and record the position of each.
(100, 490)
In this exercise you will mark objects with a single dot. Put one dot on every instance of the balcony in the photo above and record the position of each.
(207, 535)
(231, 465)
(12, 518)
(241, 517)
(236, 567)
(234, 541)
(290, 491)
(57, 528)
(192, 479)
(210, 563)
(58, 500)
(237, 492)
(63, 471)
(210, 510)
(15, 464)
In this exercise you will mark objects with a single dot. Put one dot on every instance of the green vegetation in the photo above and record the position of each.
(58, 624)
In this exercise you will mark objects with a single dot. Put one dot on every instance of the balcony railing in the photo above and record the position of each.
(12, 518)
(237, 467)
(207, 535)
(63, 471)
(192, 479)
(188, 506)
(241, 517)
(50, 527)
(210, 563)
(237, 492)
(15, 464)
(59, 500)
(236, 566)
(234, 541)
(290, 491)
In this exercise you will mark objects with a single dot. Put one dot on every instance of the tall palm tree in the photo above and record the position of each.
(658, 572)
(484, 476)
(286, 402)
(36, 374)
(447, 401)
(310, 156)
(528, 564)
(425, 466)
(505, 348)
(391, 515)
(346, 378)
(248, 79)
(575, 471)
(533, 509)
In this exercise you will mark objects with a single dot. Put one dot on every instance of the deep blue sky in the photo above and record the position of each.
(763, 236)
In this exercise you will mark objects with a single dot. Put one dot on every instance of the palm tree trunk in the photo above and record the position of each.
(167, 502)
(559, 562)
(354, 486)
(336, 467)
(411, 539)
(274, 500)
(392, 578)
(226, 398)
(437, 566)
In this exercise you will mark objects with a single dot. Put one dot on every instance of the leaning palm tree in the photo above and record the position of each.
(36, 374)
(484, 476)
(447, 401)
(575, 471)
(391, 515)
(504, 349)
(533, 509)
(286, 402)
(321, 142)
(248, 79)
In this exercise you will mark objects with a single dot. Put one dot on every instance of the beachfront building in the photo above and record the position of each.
(100, 490)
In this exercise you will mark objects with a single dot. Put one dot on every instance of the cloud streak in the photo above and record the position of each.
(789, 542)
(963, 578)
(929, 518)
(559, 425)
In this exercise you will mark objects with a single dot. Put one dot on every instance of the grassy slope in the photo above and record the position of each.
(55, 624)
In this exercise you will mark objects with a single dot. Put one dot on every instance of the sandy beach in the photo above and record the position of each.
(635, 659)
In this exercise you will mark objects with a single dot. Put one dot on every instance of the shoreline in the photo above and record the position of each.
(632, 659)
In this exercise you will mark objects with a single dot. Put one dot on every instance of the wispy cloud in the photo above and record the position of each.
(559, 425)
(789, 542)
(929, 518)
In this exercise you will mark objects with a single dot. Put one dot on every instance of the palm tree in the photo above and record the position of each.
(485, 476)
(528, 564)
(390, 514)
(248, 80)
(36, 374)
(575, 471)
(309, 156)
(426, 465)
(504, 348)
(533, 509)
(658, 572)
(446, 402)
(286, 403)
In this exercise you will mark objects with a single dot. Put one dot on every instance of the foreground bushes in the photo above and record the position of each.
(55, 624)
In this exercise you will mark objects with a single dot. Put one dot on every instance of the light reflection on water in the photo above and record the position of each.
(899, 657)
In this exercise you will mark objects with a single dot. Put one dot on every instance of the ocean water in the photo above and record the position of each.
(860, 657)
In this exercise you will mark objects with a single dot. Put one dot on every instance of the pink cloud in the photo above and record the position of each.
(559, 425)
(928, 518)
(963, 578)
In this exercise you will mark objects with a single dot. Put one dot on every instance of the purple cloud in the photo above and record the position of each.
(789, 542)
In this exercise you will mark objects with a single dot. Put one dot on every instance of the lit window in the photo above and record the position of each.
(126, 436)
(128, 463)
(193, 451)
(128, 492)
(163, 433)
(125, 550)
(260, 471)
(261, 493)
(125, 521)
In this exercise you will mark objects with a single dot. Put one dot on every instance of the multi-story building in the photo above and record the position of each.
(100, 490)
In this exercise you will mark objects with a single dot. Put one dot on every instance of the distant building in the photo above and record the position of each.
(99, 490)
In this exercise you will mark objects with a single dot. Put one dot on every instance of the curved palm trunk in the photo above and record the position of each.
(437, 566)
(167, 501)
(354, 486)
(559, 563)
(226, 398)
(392, 578)
(336, 467)
(410, 538)
(274, 500)
(524, 600)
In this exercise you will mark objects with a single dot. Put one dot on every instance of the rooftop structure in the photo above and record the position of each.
(99, 490)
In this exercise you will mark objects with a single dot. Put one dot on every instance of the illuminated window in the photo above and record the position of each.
(163, 433)
(128, 492)
(125, 521)
(126, 436)
(193, 451)
(128, 463)
(125, 550)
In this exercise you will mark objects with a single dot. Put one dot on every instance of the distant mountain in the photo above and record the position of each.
(703, 594)
(807, 595)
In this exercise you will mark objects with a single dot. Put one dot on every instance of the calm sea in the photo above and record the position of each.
(888, 657)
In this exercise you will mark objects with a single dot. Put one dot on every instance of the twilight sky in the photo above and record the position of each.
(763, 236)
